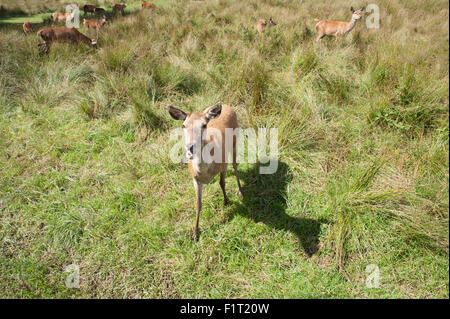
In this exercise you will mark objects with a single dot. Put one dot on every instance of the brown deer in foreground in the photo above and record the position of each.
(201, 129)
(337, 28)
(262, 24)
(63, 34)
(27, 27)
(62, 17)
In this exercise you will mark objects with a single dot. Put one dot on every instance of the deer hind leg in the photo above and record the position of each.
(240, 192)
(198, 195)
(222, 185)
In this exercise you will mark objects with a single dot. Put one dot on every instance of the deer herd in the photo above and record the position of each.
(63, 34)
(72, 35)
(197, 127)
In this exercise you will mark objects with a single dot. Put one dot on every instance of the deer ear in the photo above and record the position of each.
(176, 114)
(352, 10)
(214, 111)
(362, 9)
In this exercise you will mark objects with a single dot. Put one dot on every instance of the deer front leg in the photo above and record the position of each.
(222, 185)
(198, 194)
(45, 47)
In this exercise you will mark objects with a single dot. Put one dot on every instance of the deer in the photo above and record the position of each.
(337, 28)
(118, 7)
(99, 11)
(94, 24)
(148, 5)
(262, 24)
(88, 8)
(61, 17)
(63, 34)
(27, 27)
(200, 130)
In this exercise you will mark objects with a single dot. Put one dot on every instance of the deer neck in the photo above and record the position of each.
(198, 165)
(86, 40)
(351, 25)
(203, 171)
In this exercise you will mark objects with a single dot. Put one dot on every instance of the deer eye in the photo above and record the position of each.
(203, 125)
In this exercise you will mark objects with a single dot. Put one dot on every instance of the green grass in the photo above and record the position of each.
(85, 176)
(36, 18)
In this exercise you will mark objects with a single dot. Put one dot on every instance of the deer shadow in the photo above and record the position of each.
(264, 200)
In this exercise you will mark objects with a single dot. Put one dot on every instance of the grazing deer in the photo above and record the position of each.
(88, 8)
(262, 24)
(94, 24)
(337, 28)
(118, 7)
(201, 129)
(63, 34)
(27, 27)
(148, 5)
(62, 17)
(100, 11)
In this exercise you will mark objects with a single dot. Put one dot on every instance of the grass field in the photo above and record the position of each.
(363, 177)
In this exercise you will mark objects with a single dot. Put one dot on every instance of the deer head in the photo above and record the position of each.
(356, 13)
(194, 127)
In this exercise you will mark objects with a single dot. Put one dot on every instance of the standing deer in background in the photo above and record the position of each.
(337, 28)
(63, 34)
(62, 17)
(99, 11)
(118, 7)
(27, 27)
(262, 24)
(201, 129)
(88, 8)
(148, 5)
(94, 24)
